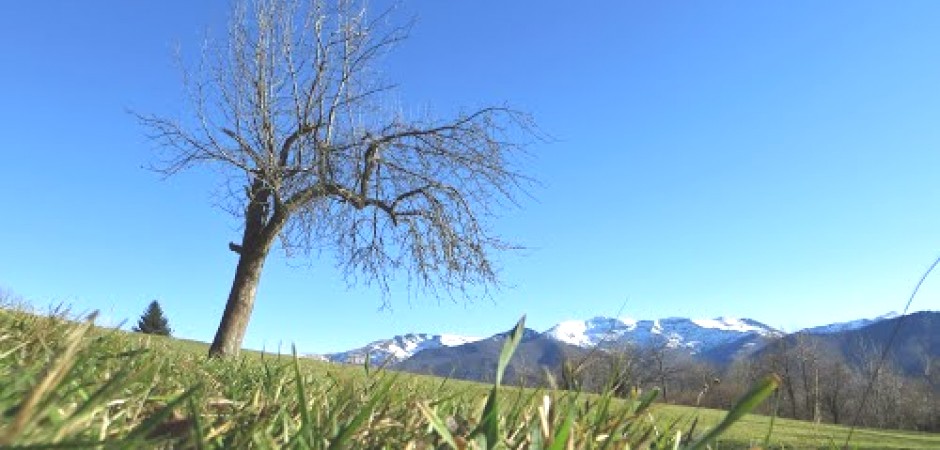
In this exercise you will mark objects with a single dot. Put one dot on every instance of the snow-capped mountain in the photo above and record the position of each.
(694, 335)
(850, 325)
(398, 348)
(718, 342)
(719, 338)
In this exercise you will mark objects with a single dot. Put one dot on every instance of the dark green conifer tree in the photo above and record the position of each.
(153, 321)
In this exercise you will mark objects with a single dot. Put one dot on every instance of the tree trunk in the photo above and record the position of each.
(241, 300)
(258, 238)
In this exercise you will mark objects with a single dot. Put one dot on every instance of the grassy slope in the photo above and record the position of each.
(62, 384)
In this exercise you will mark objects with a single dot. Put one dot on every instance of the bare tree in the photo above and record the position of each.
(839, 388)
(805, 355)
(661, 364)
(291, 109)
(623, 370)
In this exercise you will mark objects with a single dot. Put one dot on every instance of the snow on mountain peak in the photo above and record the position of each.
(850, 325)
(657, 327)
(453, 340)
(590, 332)
(628, 321)
(399, 348)
(674, 332)
(729, 324)
(573, 332)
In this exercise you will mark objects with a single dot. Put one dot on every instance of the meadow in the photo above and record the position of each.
(68, 384)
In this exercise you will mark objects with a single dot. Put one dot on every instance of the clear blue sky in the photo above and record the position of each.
(771, 160)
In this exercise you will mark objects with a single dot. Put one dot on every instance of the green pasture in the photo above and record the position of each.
(68, 384)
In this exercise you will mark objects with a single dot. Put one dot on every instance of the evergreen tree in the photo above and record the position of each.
(153, 321)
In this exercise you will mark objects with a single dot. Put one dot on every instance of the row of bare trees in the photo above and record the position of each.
(819, 384)
(823, 385)
(629, 368)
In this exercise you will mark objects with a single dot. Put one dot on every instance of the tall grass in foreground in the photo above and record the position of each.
(71, 385)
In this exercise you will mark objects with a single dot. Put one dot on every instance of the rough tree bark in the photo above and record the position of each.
(314, 156)
(257, 240)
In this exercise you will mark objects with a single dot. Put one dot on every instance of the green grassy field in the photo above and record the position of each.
(70, 385)
(798, 434)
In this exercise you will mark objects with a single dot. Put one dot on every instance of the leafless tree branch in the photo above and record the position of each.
(292, 105)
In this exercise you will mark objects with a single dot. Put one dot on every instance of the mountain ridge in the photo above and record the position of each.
(397, 348)
(721, 337)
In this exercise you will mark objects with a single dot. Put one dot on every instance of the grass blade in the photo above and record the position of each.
(489, 423)
(56, 372)
(512, 341)
(198, 436)
(646, 401)
(560, 440)
(346, 431)
(438, 424)
(153, 422)
(754, 397)
(306, 423)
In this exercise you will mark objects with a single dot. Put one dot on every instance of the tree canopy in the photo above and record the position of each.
(291, 109)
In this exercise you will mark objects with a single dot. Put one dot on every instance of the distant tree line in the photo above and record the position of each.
(819, 384)
(823, 385)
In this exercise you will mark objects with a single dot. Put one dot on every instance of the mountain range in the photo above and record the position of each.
(717, 342)
(692, 335)
(718, 339)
